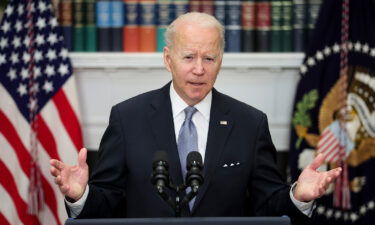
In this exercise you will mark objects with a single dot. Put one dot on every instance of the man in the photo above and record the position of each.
(228, 132)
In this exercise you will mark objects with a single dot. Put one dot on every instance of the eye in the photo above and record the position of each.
(188, 57)
(210, 59)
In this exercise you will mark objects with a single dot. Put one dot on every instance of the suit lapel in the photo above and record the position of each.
(162, 125)
(219, 129)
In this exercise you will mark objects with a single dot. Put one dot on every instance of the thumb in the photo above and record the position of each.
(82, 156)
(318, 161)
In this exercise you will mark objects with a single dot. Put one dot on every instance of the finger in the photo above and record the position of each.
(322, 190)
(54, 172)
(64, 189)
(82, 156)
(58, 180)
(326, 182)
(330, 176)
(323, 184)
(334, 173)
(57, 164)
(318, 161)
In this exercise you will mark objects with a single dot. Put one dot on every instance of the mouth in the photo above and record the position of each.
(196, 84)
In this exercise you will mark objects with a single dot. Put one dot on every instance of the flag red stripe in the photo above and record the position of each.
(322, 144)
(336, 153)
(68, 118)
(3, 220)
(326, 134)
(7, 181)
(50, 199)
(24, 158)
(46, 139)
(333, 151)
(327, 144)
(11, 135)
(333, 158)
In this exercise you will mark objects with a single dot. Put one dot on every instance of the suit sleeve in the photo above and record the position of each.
(269, 194)
(108, 180)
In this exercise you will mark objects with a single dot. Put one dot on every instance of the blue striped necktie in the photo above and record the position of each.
(187, 142)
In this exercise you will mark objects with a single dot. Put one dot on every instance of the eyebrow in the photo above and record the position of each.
(205, 55)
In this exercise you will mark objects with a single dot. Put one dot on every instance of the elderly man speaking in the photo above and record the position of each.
(188, 114)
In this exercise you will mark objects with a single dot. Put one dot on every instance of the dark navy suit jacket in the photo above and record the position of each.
(144, 124)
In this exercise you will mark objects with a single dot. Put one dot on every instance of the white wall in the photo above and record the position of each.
(265, 81)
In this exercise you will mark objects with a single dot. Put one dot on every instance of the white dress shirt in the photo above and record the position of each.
(201, 121)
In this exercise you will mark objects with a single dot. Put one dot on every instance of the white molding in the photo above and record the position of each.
(155, 60)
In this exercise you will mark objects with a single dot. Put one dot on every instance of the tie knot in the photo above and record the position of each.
(189, 112)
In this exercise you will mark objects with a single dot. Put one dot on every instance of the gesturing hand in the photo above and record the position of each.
(311, 183)
(72, 180)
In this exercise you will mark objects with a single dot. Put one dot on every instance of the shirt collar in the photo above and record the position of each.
(178, 104)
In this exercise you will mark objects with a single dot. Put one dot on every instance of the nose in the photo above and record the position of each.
(198, 67)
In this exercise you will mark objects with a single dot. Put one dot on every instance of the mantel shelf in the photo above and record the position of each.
(155, 60)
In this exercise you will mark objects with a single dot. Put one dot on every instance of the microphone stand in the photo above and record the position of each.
(167, 198)
(161, 180)
(177, 203)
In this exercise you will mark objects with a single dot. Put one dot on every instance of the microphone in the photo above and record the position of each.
(160, 174)
(194, 165)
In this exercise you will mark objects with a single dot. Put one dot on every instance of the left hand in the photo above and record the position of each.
(312, 184)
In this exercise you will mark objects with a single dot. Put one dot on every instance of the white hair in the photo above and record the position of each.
(201, 19)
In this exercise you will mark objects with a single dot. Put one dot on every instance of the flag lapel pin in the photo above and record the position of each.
(223, 122)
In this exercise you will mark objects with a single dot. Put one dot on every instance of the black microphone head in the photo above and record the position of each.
(194, 165)
(194, 158)
(160, 157)
(160, 175)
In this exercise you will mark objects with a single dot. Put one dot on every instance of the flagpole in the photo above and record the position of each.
(35, 199)
(341, 196)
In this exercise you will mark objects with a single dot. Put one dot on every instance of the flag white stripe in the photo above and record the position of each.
(45, 169)
(67, 151)
(334, 157)
(332, 150)
(7, 208)
(9, 107)
(70, 91)
(9, 158)
(46, 217)
(326, 134)
(327, 144)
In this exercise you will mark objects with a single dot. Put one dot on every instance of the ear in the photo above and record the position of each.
(167, 58)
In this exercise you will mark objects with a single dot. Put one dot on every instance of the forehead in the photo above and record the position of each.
(197, 37)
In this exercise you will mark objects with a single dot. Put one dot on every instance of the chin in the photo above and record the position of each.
(197, 94)
(196, 98)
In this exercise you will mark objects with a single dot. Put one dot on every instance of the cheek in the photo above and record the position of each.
(180, 70)
(212, 76)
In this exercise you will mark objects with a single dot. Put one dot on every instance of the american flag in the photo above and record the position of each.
(334, 143)
(39, 117)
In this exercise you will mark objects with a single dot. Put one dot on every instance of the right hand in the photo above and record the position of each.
(72, 180)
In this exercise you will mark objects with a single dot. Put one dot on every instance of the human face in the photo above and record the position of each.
(194, 61)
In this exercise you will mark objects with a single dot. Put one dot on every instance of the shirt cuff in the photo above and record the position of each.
(306, 208)
(76, 207)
